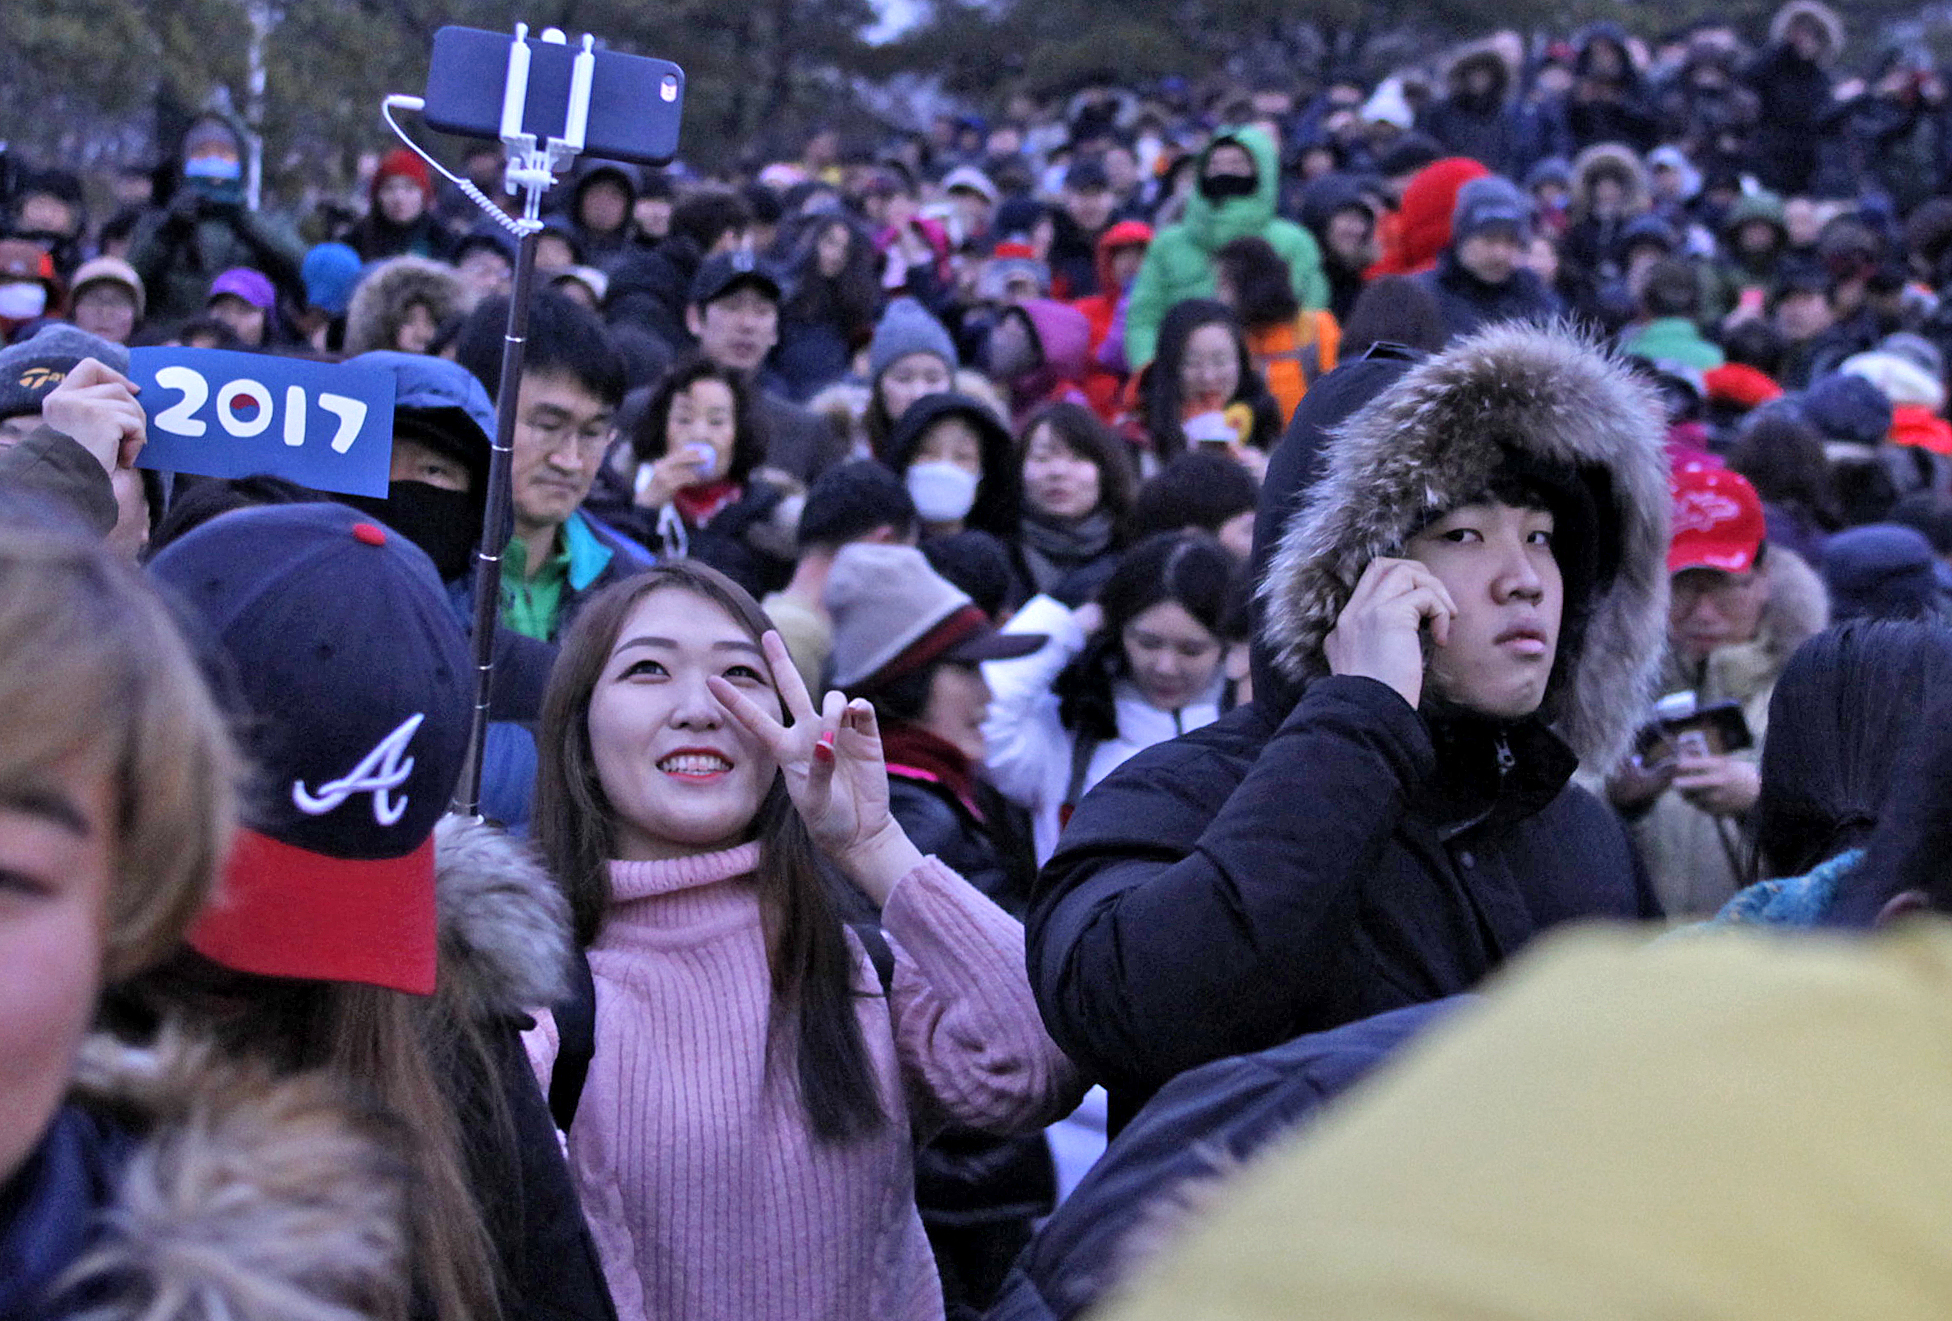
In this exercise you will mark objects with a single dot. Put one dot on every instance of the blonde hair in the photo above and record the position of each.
(93, 669)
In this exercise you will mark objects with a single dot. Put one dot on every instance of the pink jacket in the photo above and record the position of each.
(707, 1192)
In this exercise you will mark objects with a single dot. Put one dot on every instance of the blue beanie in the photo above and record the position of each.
(1486, 202)
(1845, 406)
(330, 271)
(905, 328)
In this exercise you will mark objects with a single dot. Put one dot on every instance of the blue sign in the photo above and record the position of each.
(325, 425)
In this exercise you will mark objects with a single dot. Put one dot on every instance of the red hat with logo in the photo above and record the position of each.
(1718, 522)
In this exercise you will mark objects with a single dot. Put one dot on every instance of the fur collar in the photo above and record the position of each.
(246, 1199)
(381, 301)
(505, 944)
(1429, 440)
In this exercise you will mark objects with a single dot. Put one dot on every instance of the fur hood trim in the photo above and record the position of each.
(1601, 158)
(1430, 440)
(246, 1199)
(1821, 14)
(381, 300)
(505, 944)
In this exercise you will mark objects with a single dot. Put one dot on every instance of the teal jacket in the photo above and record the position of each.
(1179, 264)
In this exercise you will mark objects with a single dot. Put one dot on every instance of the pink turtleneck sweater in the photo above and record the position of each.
(709, 1196)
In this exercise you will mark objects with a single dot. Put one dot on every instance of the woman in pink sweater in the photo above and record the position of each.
(742, 1145)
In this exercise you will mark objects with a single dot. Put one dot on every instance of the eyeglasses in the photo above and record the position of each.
(555, 434)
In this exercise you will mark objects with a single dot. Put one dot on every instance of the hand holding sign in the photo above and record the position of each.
(95, 406)
(328, 426)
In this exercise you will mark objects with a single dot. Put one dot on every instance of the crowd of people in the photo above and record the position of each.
(1032, 655)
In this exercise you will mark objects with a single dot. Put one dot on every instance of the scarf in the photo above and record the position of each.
(915, 754)
(701, 504)
(1053, 547)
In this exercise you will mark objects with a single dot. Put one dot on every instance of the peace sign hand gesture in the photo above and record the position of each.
(834, 772)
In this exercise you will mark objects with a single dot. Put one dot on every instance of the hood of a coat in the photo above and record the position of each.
(505, 942)
(1125, 234)
(1431, 439)
(1609, 158)
(1422, 229)
(1323, 197)
(383, 295)
(1236, 217)
(1064, 335)
(247, 1197)
(1821, 14)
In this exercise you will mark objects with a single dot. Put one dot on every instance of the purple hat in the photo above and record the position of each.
(254, 287)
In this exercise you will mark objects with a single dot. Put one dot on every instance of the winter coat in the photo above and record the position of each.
(184, 1186)
(1179, 264)
(387, 292)
(506, 950)
(1029, 755)
(1302, 863)
(965, 1177)
(1696, 860)
(1468, 303)
(1795, 108)
(1499, 132)
(750, 540)
(1169, 1160)
(1321, 201)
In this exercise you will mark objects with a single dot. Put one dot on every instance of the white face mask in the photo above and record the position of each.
(22, 301)
(943, 492)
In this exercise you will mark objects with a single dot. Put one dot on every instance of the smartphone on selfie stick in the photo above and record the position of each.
(548, 103)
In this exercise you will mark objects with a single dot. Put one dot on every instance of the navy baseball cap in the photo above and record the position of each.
(720, 275)
(354, 673)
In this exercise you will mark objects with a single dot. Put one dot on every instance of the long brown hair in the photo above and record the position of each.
(387, 1050)
(807, 954)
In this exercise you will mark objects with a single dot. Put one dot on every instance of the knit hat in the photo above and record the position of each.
(973, 180)
(893, 615)
(1739, 384)
(1718, 522)
(1881, 571)
(330, 271)
(1010, 263)
(31, 369)
(1901, 379)
(211, 131)
(1846, 407)
(254, 287)
(401, 163)
(905, 328)
(1489, 202)
(1552, 169)
(112, 270)
(355, 678)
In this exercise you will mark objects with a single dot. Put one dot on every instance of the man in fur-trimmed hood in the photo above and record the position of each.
(1469, 600)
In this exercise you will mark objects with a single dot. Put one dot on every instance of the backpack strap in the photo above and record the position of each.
(576, 1041)
(1083, 748)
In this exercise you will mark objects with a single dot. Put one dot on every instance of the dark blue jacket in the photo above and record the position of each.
(1269, 876)
(1200, 1123)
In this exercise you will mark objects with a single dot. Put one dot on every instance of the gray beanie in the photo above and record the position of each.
(905, 328)
(31, 369)
(1487, 202)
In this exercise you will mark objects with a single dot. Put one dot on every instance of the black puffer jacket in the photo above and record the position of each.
(1305, 862)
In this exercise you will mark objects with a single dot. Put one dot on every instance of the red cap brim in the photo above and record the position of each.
(288, 912)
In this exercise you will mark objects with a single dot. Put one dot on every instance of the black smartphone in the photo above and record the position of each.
(1712, 731)
(635, 101)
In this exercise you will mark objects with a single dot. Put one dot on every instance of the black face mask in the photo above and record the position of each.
(445, 524)
(1219, 187)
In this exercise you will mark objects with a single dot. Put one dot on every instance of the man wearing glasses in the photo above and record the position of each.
(572, 382)
(1739, 608)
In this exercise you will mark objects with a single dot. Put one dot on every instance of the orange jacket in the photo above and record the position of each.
(1291, 357)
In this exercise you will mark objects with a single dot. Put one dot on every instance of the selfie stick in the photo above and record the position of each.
(532, 166)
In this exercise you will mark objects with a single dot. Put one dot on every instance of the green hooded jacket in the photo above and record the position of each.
(1179, 264)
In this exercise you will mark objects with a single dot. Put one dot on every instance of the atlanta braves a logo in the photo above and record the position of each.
(379, 773)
